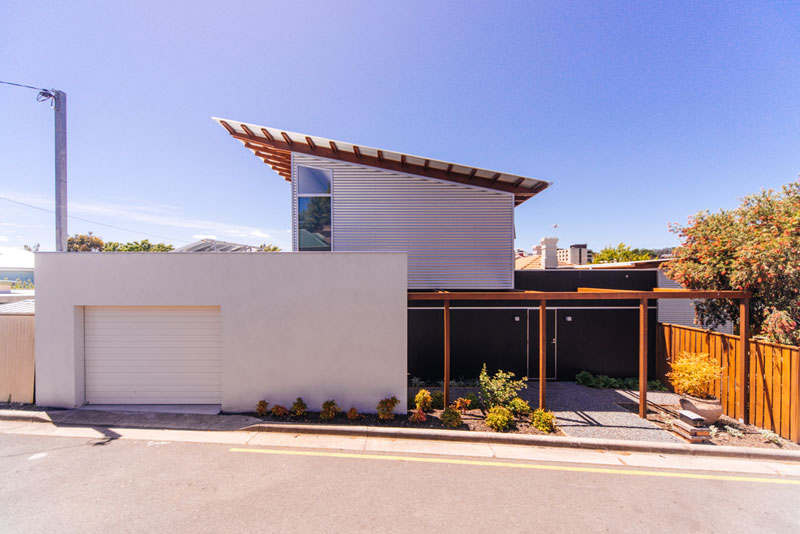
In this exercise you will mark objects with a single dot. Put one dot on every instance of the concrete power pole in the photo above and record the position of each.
(60, 108)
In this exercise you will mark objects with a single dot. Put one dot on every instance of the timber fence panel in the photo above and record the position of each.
(773, 381)
(16, 358)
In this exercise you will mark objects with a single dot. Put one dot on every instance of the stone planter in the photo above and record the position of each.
(709, 409)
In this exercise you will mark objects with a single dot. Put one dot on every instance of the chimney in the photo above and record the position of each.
(549, 252)
(537, 250)
(578, 255)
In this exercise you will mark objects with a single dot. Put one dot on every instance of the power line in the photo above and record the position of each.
(93, 222)
(25, 86)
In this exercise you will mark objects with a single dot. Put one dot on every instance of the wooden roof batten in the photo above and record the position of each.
(279, 145)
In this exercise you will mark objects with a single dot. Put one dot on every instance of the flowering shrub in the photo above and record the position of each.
(299, 408)
(423, 400)
(418, 416)
(498, 390)
(693, 373)
(329, 410)
(756, 248)
(450, 417)
(519, 407)
(261, 407)
(543, 420)
(352, 414)
(500, 419)
(279, 411)
(386, 406)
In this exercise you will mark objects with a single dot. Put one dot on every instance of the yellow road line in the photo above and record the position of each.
(544, 467)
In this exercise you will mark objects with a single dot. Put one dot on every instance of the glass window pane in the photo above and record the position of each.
(314, 223)
(312, 181)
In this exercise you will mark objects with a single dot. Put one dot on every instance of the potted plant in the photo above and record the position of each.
(691, 377)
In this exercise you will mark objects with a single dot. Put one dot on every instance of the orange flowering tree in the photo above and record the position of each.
(756, 248)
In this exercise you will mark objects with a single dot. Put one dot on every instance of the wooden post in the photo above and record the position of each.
(743, 363)
(446, 353)
(542, 353)
(643, 358)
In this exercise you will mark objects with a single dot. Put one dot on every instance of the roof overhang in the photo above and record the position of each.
(274, 147)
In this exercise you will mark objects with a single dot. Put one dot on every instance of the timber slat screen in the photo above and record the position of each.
(773, 378)
(16, 358)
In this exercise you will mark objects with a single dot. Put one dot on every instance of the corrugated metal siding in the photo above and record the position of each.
(456, 236)
(16, 358)
(152, 355)
(680, 311)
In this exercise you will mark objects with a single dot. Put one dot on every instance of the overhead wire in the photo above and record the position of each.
(93, 222)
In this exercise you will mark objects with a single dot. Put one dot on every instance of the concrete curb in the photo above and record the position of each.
(652, 447)
(532, 440)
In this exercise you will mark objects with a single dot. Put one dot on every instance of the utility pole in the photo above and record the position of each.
(60, 109)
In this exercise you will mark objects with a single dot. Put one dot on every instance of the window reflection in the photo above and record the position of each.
(314, 223)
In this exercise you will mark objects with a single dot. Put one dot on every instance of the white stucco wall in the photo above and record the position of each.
(317, 325)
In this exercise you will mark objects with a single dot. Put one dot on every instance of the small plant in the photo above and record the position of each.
(693, 373)
(585, 378)
(279, 411)
(543, 421)
(474, 403)
(262, 407)
(423, 400)
(713, 431)
(519, 407)
(770, 436)
(437, 400)
(418, 416)
(299, 408)
(386, 407)
(415, 382)
(733, 431)
(329, 410)
(462, 405)
(450, 417)
(499, 418)
(352, 414)
(499, 389)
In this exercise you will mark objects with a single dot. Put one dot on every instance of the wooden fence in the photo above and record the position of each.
(16, 358)
(772, 382)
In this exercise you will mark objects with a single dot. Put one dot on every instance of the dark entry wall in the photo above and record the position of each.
(582, 335)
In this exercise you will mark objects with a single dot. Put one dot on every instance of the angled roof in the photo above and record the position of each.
(275, 146)
(213, 245)
(22, 307)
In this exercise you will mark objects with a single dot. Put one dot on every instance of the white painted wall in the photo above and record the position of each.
(317, 325)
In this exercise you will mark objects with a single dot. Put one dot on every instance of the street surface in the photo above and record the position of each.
(57, 483)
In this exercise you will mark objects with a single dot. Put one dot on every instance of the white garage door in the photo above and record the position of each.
(152, 355)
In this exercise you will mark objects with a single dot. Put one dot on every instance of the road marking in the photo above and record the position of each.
(544, 467)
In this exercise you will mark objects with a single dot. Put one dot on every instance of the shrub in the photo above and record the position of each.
(423, 400)
(733, 431)
(499, 418)
(474, 403)
(418, 416)
(386, 406)
(261, 407)
(499, 389)
(352, 414)
(279, 411)
(329, 410)
(437, 400)
(519, 407)
(450, 417)
(415, 382)
(585, 378)
(462, 405)
(299, 408)
(692, 374)
(543, 420)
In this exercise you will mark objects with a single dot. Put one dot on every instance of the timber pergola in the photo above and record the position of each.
(590, 293)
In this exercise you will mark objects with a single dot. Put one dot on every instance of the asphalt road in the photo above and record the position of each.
(61, 484)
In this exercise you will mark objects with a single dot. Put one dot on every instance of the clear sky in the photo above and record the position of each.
(641, 113)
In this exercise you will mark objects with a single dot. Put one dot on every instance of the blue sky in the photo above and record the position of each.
(641, 113)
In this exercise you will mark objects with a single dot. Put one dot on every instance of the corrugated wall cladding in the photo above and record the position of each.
(456, 236)
(16, 358)
(680, 311)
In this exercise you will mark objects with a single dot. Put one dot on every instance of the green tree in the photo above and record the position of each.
(268, 248)
(756, 248)
(621, 253)
(137, 246)
(84, 243)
